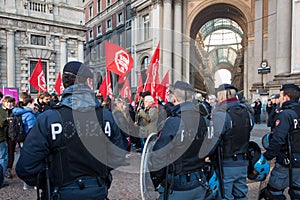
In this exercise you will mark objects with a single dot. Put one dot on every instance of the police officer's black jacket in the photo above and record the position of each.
(180, 140)
(287, 122)
(52, 135)
(232, 123)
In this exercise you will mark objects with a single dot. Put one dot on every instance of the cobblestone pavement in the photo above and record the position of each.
(125, 183)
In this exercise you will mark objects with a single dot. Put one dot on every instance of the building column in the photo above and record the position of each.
(134, 36)
(177, 70)
(258, 42)
(186, 60)
(271, 57)
(63, 53)
(11, 59)
(283, 40)
(80, 50)
(295, 37)
(166, 46)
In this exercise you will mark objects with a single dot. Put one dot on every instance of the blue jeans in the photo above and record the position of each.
(235, 185)
(3, 157)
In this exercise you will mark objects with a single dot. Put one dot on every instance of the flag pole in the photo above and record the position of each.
(143, 91)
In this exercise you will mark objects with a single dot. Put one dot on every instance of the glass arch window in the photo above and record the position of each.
(222, 39)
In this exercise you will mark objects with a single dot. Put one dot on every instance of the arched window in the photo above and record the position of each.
(145, 63)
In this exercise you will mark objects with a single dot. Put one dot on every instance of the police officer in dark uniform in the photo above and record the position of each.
(175, 161)
(275, 109)
(65, 153)
(232, 123)
(284, 146)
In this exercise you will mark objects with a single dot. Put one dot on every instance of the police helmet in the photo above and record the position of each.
(266, 140)
(258, 167)
(213, 182)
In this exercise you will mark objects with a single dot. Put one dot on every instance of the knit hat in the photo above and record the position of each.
(78, 69)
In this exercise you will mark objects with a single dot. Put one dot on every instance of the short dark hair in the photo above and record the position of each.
(1, 95)
(23, 95)
(293, 94)
(43, 94)
(7, 99)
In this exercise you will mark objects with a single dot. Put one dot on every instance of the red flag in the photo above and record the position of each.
(152, 72)
(163, 88)
(105, 87)
(139, 87)
(118, 60)
(37, 78)
(122, 79)
(125, 91)
(58, 86)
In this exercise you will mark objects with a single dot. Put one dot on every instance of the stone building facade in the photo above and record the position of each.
(268, 31)
(31, 29)
(106, 20)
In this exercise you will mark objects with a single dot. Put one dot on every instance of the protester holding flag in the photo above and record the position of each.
(149, 117)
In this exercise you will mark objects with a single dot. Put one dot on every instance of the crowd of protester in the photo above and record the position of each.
(137, 120)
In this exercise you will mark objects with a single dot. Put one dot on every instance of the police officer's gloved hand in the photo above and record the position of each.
(283, 159)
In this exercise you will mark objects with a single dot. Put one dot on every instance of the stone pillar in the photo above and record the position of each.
(63, 53)
(258, 42)
(11, 59)
(295, 37)
(156, 23)
(186, 60)
(271, 56)
(80, 51)
(177, 68)
(134, 37)
(283, 39)
(166, 46)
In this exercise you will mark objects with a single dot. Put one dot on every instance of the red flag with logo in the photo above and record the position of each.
(118, 60)
(37, 78)
(58, 86)
(105, 87)
(122, 79)
(163, 89)
(139, 87)
(125, 91)
(152, 72)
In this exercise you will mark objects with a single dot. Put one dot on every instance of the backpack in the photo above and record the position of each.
(16, 130)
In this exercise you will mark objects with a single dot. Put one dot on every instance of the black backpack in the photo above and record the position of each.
(16, 130)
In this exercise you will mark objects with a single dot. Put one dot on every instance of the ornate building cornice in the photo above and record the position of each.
(178, 2)
(156, 1)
